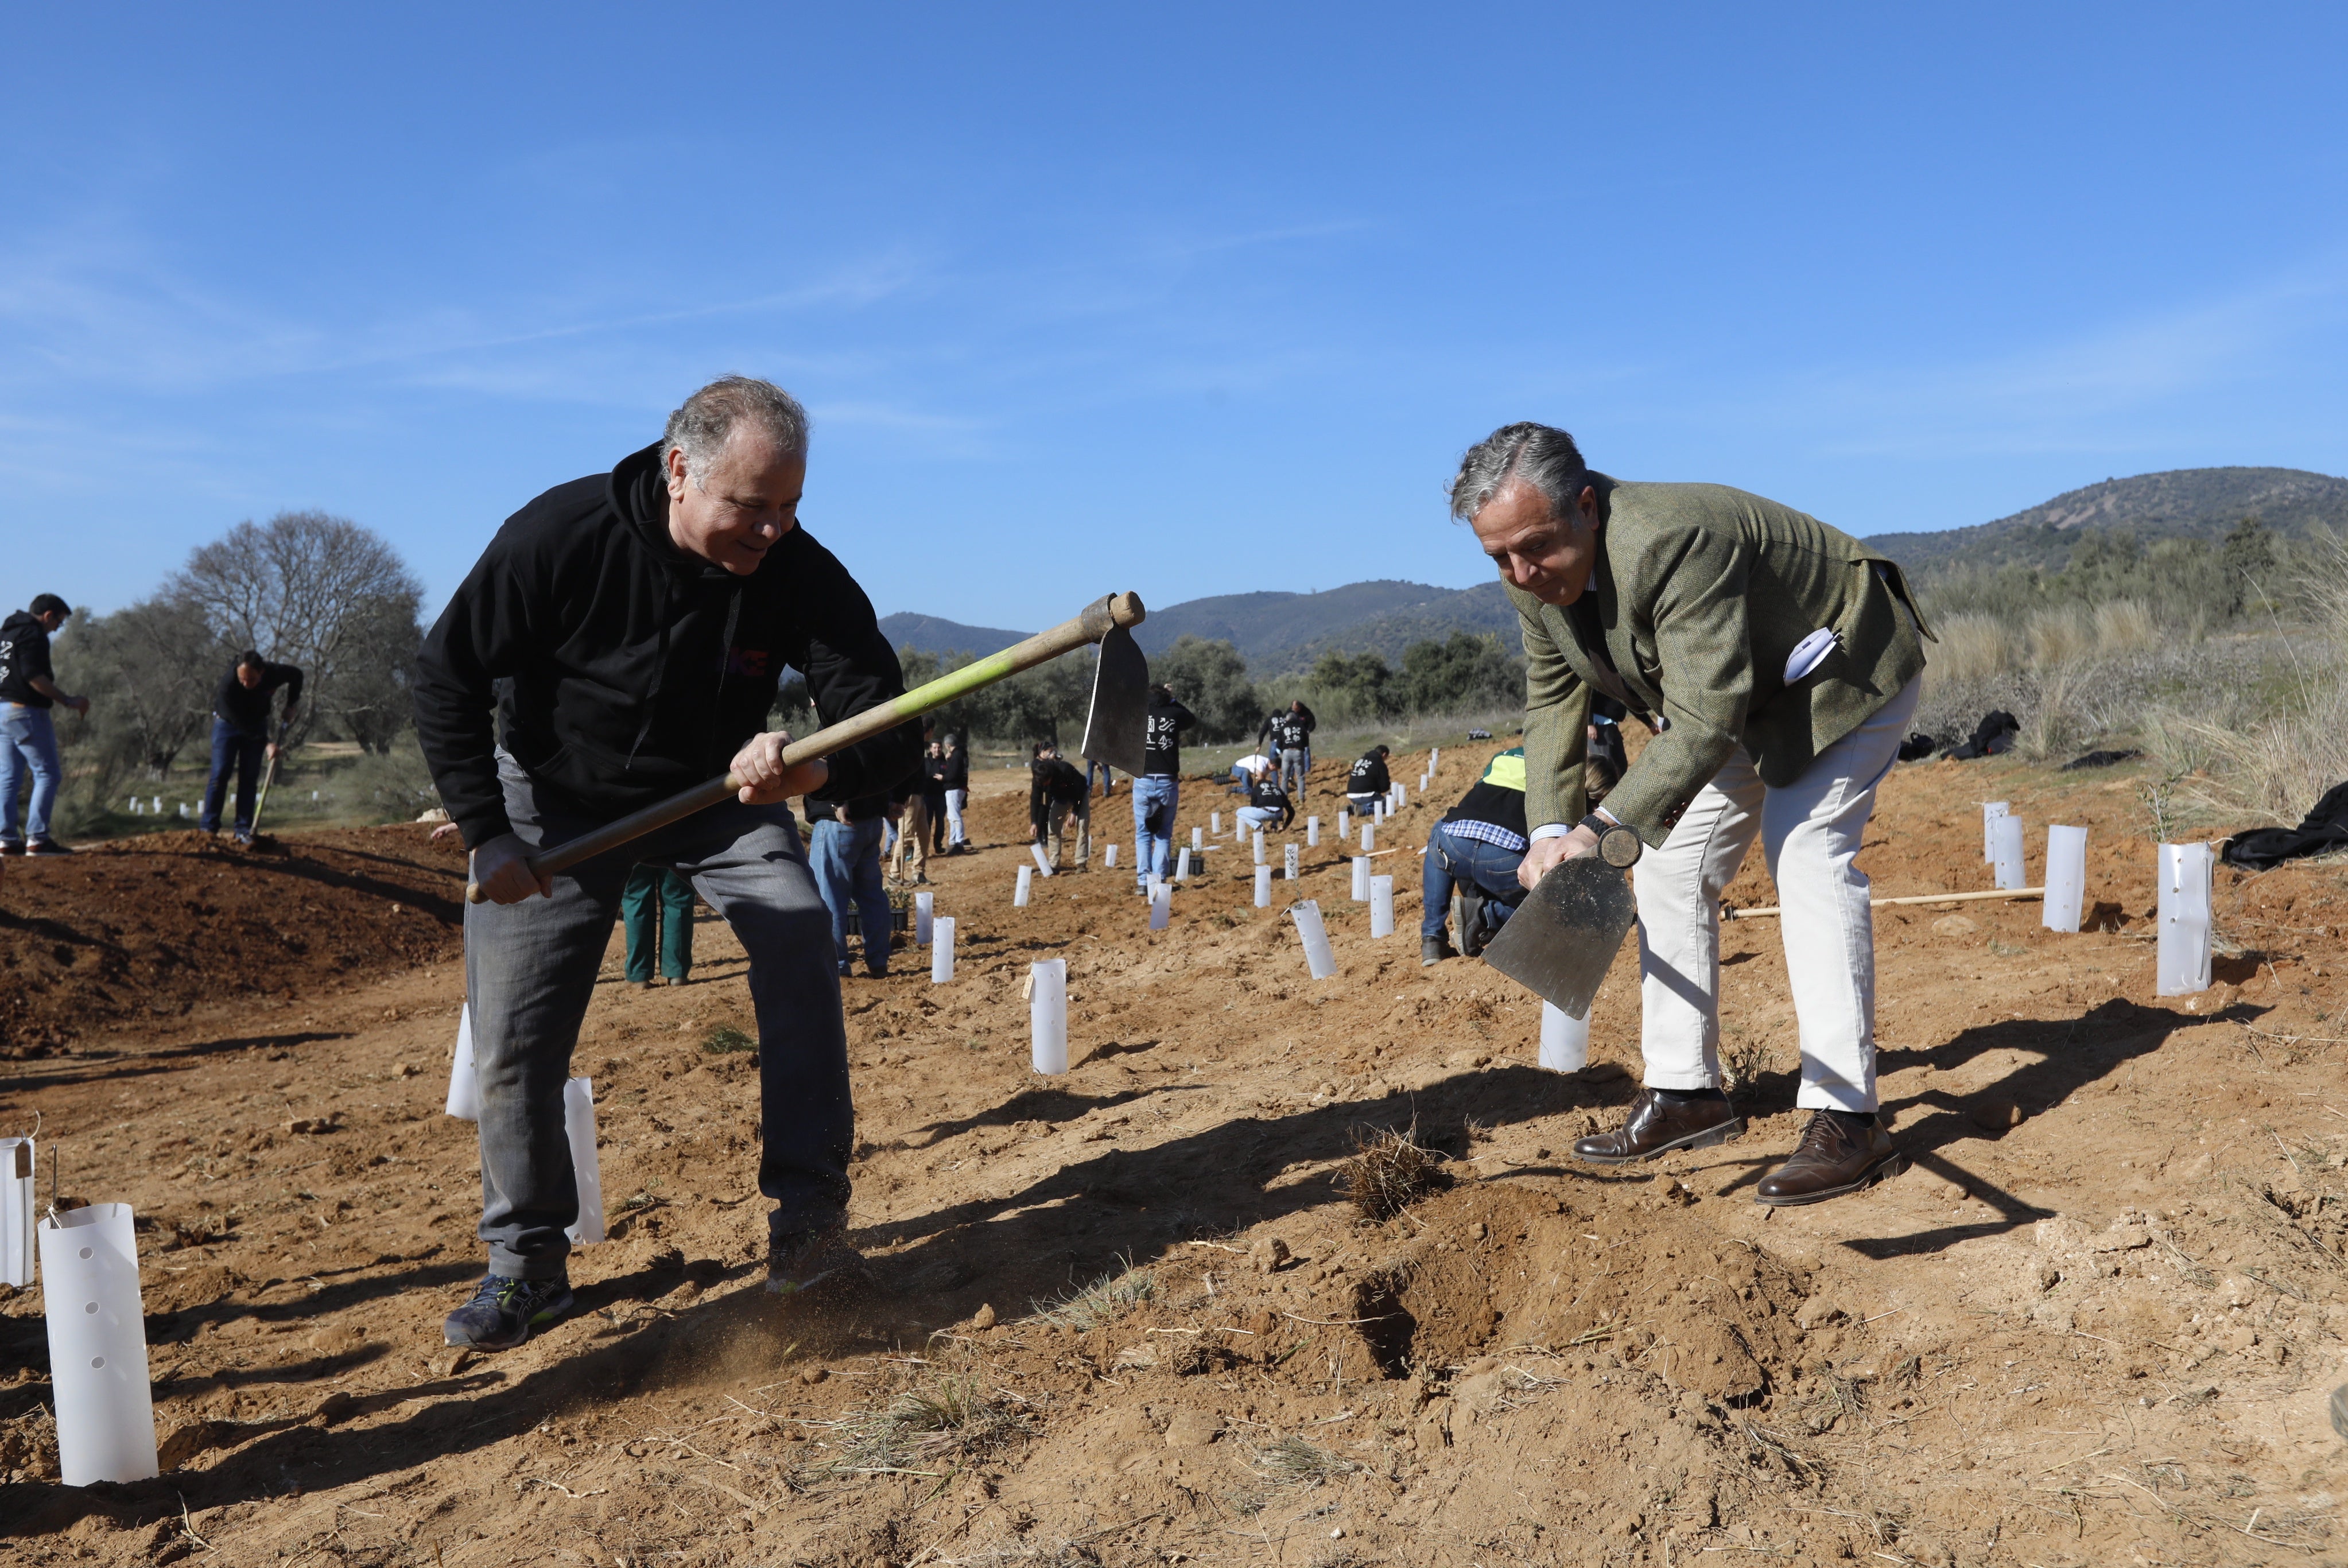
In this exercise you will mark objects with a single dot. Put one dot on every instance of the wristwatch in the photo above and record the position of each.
(1618, 846)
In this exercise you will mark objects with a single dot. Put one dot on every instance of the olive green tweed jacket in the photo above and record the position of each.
(1698, 594)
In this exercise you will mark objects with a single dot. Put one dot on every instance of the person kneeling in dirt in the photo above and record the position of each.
(1474, 851)
(640, 621)
(1784, 659)
(1369, 782)
(1269, 807)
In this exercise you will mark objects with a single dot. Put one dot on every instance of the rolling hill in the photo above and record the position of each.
(2201, 504)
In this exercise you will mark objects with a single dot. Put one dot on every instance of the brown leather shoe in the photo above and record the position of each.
(1832, 1160)
(1658, 1126)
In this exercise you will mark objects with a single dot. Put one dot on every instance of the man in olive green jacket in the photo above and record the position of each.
(1781, 660)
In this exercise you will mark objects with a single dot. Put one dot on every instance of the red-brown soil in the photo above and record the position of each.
(152, 928)
(2096, 1324)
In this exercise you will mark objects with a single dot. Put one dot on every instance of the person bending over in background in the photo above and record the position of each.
(1786, 657)
(642, 620)
(1244, 769)
(28, 735)
(656, 912)
(1057, 791)
(241, 735)
(1159, 790)
(1368, 783)
(1472, 856)
(1268, 806)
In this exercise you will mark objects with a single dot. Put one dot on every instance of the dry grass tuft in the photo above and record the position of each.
(2059, 636)
(1292, 1461)
(1104, 1300)
(1390, 1171)
(951, 1422)
(2126, 626)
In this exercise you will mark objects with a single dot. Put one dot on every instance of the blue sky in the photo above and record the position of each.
(1188, 301)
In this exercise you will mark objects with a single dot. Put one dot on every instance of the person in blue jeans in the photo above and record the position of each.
(28, 734)
(1472, 856)
(845, 855)
(1159, 790)
(241, 735)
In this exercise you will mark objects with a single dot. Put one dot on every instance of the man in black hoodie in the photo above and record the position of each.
(241, 740)
(629, 629)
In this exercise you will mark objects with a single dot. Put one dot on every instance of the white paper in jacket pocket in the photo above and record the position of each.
(1809, 653)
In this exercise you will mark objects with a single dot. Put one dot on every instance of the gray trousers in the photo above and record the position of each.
(531, 971)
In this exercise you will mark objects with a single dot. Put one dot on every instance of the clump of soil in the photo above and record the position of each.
(148, 927)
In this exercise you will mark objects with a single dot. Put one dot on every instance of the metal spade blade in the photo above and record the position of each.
(1562, 939)
(1114, 725)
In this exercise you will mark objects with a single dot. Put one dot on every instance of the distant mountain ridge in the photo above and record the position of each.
(1274, 632)
(2199, 503)
(1279, 634)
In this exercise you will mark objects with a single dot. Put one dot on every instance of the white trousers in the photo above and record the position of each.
(1810, 832)
(955, 801)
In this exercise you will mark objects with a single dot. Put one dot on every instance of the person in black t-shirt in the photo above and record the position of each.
(1158, 792)
(28, 735)
(1368, 783)
(240, 736)
(1268, 804)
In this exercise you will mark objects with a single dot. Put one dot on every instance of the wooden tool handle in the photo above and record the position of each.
(1099, 617)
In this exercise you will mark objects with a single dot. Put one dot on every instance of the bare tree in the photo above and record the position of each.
(151, 668)
(320, 591)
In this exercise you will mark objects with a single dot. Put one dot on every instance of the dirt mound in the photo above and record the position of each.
(148, 927)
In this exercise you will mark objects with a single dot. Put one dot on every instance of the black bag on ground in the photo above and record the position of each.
(1992, 737)
(1917, 745)
(2321, 829)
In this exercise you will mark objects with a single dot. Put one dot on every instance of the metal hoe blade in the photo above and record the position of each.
(1116, 725)
(1562, 939)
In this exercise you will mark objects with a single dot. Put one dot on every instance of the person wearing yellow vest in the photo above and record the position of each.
(1472, 856)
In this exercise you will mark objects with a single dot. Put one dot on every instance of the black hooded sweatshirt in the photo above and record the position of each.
(23, 653)
(634, 670)
(1162, 731)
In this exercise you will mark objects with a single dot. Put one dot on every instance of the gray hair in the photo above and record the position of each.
(1542, 456)
(701, 428)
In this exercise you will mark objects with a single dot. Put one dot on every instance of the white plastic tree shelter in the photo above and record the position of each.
(1319, 961)
(1161, 905)
(1041, 863)
(1345, 823)
(586, 1166)
(925, 909)
(1182, 866)
(1111, 854)
(1198, 838)
(20, 1170)
(464, 1088)
(1991, 811)
(1312, 832)
(2184, 914)
(98, 1345)
(1361, 889)
(2067, 878)
(1381, 906)
(1215, 822)
(1020, 889)
(1263, 887)
(1564, 1039)
(941, 932)
(1048, 1016)
(2005, 834)
(1258, 846)
(1288, 858)
(1369, 837)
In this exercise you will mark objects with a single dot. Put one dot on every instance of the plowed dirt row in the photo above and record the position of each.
(2096, 1323)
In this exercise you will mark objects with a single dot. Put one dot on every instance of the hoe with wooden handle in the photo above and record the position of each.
(1113, 726)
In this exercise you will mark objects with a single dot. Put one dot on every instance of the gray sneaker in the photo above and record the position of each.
(503, 1311)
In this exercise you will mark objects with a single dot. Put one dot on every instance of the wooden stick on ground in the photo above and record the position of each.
(1728, 912)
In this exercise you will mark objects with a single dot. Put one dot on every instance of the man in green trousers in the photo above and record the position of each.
(656, 908)
(1782, 660)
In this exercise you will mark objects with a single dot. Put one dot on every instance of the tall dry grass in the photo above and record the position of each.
(2126, 626)
(2271, 763)
(1971, 648)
